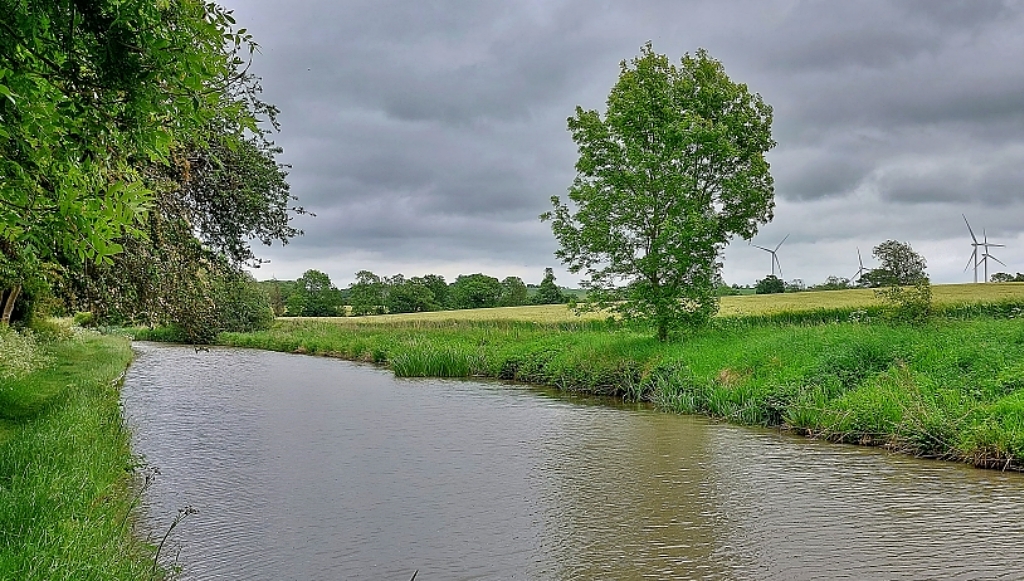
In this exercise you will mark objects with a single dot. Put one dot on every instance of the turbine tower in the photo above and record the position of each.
(985, 256)
(774, 253)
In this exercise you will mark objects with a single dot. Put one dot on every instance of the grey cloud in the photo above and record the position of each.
(809, 173)
(434, 133)
(969, 179)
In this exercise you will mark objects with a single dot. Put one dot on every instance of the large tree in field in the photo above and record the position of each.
(475, 291)
(900, 265)
(673, 169)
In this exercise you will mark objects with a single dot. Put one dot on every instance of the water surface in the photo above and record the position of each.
(310, 468)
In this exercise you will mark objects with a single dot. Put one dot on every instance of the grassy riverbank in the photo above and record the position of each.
(66, 467)
(952, 388)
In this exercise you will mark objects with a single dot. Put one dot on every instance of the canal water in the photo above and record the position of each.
(308, 468)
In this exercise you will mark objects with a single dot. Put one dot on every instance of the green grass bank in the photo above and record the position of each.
(66, 488)
(952, 388)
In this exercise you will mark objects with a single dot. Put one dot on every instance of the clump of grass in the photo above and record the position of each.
(20, 353)
(432, 362)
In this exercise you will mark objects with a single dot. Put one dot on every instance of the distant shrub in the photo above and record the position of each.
(911, 304)
(1005, 277)
(85, 319)
(770, 285)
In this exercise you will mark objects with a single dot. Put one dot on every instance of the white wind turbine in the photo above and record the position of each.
(980, 258)
(775, 255)
(861, 270)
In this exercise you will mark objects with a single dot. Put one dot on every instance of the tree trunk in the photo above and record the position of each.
(9, 305)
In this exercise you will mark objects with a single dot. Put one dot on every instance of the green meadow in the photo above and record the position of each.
(950, 388)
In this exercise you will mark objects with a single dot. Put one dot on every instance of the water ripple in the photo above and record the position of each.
(306, 468)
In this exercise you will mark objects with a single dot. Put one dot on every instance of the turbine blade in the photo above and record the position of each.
(762, 248)
(859, 259)
(996, 259)
(781, 243)
(969, 229)
(776, 259)
(974, 256)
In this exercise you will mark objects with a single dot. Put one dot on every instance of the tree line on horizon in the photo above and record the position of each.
(314, 295)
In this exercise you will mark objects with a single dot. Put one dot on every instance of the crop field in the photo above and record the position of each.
(947, 294)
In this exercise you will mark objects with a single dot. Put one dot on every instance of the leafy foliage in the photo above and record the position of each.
(366, 295)
(475, 291)
(129, 128)
(88, 90)
(315, 296)
(1004, 277)
(835, 283)
(908, 304)
(900, 265)
(438, 287)
(548, 292)
(665, 178)
(278, 292)
(513, 292)
(770, 284)
(409, 296)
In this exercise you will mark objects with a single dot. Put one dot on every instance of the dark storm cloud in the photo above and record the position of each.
(433, 133)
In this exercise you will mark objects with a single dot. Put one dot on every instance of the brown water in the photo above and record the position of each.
(308, 468)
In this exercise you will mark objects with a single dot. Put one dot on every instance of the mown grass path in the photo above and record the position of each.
(66, 469)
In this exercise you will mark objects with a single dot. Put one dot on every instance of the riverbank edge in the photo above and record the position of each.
(901, 413)
(69, 484)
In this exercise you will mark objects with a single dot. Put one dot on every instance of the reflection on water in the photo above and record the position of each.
(307, 468)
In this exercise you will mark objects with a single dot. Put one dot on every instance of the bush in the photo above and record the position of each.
(50, 329)
(84, 319)
(908, 304)
(770, 285)
(20, 353)
(242, 306)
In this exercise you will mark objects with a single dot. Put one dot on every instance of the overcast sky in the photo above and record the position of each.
(428, 136)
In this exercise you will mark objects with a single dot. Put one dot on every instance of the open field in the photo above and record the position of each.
(943, 295)
(952, 388)
(66, 468)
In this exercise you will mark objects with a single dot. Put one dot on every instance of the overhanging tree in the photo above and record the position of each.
(91, 93)
(673, 170)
